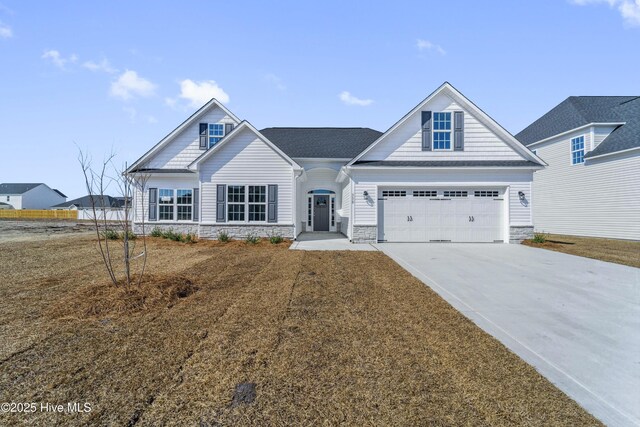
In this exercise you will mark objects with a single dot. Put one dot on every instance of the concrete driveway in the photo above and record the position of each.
(576, 320)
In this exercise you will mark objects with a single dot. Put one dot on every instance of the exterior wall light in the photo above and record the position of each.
(366, 194)
(521, 195)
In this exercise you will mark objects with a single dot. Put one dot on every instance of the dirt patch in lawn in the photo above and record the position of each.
(626, 252)
(269, 337)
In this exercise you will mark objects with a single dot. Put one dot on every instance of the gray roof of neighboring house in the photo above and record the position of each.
(447, 163)
(85, 202)
(17, 188)
(323, 142)
(60, 193)
(577, 111)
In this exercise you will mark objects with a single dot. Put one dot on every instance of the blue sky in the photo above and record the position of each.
(120, 75)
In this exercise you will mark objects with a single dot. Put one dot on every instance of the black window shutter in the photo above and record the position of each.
(272, 199)
(221, 203)
(426, 131)
(458, 131)
(228, 127)
(153, 202)
(196, 205)
(203, 136)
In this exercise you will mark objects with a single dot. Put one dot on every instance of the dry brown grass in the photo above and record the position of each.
(626, 252)
(327, 337)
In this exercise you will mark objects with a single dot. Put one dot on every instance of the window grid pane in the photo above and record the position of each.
(577, 150)
(236, 212)
(441, 140)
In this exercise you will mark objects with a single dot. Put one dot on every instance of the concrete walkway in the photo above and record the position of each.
(576, 320)
(328, 242)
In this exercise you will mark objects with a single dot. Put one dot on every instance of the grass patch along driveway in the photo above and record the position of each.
(626, 252)
(325, 337)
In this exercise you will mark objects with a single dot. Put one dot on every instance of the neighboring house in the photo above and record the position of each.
(592, 184)
(445, 172)
(88, 202)
(30, 196)
(106, 207)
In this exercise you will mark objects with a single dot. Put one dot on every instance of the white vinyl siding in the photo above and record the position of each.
(246, 160)
(185, 147)
(365, 209)
(600, 198)
(600, 133)
(405, 143)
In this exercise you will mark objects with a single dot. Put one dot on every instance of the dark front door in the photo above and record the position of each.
(321, 213)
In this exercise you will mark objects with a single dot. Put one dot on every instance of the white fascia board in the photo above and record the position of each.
(579, 128)
(188, 122)
(613, 153)
(447, 167)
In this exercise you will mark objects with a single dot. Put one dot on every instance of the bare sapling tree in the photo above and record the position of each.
(113, 223)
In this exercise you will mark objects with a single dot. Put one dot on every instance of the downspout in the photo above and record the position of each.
(296, 174)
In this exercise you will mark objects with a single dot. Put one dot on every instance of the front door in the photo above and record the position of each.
(321, 213)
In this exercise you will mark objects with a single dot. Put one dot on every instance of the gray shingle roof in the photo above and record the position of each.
(85, 202)
(328, 143)
(577, 111)
(17, 188)
(447, 163)
(157, 170)
(60, 193)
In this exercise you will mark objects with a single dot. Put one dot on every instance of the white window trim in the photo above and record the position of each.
(246, 204)
(571, 150)
(174, 205)
(209, 136)
(450, 131)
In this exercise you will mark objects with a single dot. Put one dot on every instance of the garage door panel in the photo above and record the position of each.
(454, 219)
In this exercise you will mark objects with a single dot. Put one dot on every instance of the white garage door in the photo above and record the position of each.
(443, 215)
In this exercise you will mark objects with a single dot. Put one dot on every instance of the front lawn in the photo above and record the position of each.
(625, 252)
(306, 338)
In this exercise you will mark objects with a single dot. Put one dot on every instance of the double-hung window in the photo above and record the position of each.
(184, 204)
(442, 131)
(257, 203)
(577, 150)
(216, 132)
(235, 202)
(175, 205)
(165, 204)
(246, 203)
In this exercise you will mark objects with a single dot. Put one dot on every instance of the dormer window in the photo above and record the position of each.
(577, 150)
(216, 133)
(442, 131)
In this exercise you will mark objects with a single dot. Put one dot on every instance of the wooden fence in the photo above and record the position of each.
(38, 214)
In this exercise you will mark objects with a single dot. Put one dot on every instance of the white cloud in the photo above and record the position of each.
(104, 65)
(349, 99)
(130, 85)
(628, 9)
(134, 116)
(199, 93)
(275, 81)
(422, 44)
(57, 59)
(5, 31)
